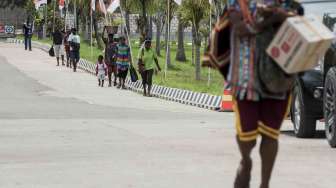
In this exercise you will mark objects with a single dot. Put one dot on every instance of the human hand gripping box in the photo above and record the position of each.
(300, 43)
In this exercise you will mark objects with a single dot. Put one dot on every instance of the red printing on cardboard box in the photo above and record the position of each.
(275, 52)
(285, 47)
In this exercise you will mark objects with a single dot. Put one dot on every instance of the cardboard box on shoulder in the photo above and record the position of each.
(300, 43)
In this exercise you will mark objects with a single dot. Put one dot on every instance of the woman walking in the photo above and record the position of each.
(74, 41)
(147, 58)
(110, 57)
(123, 61)
(67, 48)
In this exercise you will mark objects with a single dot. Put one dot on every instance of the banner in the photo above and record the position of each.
(102, 7)
(61, 4)
(179, 2)
(93, 5)
(38, 3)
(113, 6)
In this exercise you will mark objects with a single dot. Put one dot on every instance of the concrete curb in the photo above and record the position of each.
(187, 97)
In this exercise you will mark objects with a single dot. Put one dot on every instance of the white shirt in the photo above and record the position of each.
(74, 38)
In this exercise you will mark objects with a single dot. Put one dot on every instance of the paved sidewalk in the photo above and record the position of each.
(59, 130)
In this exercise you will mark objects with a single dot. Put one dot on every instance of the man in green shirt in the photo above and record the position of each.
(147, 62)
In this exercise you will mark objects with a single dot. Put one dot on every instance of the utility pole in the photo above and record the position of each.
(45, 25)
(54, 11)
(75, 14)
(168, 40)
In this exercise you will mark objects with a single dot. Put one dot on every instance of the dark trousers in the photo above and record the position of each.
(74, 57)
(147, 77)
(27, 42)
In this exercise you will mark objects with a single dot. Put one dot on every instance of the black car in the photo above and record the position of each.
(314, 95)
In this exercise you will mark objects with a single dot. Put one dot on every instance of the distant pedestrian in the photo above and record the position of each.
(123, 61)
(101, 71)
(28, 33)
(74, 42)
(67, 48)
(147, 61)
(58, 45)
(111, 51)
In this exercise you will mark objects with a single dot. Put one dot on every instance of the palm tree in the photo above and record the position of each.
(172, 10)
(30, 9)
(83, 11)
(127, 7)
(180, 54)
(143, 7)
(159, 20)
(195, 11)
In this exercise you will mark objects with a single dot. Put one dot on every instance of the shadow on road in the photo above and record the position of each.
(320, 134)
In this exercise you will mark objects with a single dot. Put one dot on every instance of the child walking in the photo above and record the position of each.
(101, 71)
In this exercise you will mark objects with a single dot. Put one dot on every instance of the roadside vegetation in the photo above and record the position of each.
(179, 75)
(182, 58)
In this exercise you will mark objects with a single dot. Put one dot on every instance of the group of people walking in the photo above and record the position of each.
(67, 45)
(118, 61)
(114, 64)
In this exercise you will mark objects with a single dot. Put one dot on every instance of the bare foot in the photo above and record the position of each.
(243, 175)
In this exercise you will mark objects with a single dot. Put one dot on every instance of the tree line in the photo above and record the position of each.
(191, 13)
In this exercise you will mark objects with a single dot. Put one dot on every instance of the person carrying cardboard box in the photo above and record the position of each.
(258, 112)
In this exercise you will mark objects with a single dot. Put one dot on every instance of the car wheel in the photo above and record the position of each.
(304, 126)
(329, 106)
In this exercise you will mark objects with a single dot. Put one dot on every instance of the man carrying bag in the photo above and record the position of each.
(147, 62)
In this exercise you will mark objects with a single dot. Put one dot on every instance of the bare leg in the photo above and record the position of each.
(75, 65)
(119, 85)
(67, 60)
(244, 171)
(268, 152)
(149, 90)
(71, 63)
(115, 79)
(145, 90)
(109, 74)
(62, 56)
(123, 83)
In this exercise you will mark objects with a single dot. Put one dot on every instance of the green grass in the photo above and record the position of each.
(182, 74)
(179, 75)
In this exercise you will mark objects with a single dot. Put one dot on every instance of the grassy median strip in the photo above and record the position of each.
(179, 75)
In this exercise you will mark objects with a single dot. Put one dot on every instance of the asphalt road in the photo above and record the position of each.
(59, 130)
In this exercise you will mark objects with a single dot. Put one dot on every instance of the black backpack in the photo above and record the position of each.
(51, 51)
